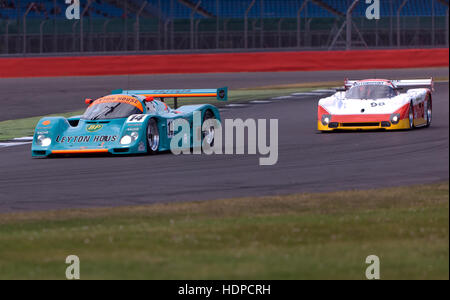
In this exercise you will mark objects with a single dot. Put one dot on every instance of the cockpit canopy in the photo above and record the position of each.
(372, 90)
(113, 107)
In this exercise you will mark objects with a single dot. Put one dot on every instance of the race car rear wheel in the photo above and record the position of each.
(428, 111)
(208, 134)
(411, 116)
(152, 136)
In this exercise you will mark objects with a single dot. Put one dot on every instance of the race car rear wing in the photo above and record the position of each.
(399, 83)
(414, 82)
(220, 94)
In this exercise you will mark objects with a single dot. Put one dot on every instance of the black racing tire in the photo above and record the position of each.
(209, 134)
(153, 137)
(429, 111)
(411, 116)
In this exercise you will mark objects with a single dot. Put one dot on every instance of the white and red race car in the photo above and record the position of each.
(377, 104)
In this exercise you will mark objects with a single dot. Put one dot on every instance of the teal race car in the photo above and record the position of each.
(125, 122)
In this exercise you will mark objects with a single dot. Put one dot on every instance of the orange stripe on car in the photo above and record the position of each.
(180, 95)
(80, 151)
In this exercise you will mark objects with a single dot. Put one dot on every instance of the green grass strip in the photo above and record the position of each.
(303, 236)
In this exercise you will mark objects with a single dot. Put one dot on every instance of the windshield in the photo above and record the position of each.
(371, 91)
(113, 107)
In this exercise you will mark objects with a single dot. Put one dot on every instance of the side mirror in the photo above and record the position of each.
(149, 99)
(88, 101)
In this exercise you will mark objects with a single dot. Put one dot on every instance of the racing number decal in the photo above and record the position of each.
(172, 124)
(375, 104)
(136, 119)
(170, 129)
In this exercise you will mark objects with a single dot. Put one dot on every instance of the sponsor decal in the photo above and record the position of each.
(419, 111)
(172, 91)
(105, 138)
(94, 127)
(141, 147)
(221, 94)
(359, 83)
(86, 139)
(120, 99)
(46, 123)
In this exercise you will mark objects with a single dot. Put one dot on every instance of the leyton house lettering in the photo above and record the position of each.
(86, 139)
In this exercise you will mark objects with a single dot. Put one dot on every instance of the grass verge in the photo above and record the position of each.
(304, 236)
(25, 127)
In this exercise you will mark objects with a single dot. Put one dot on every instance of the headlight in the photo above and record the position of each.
(43, 141)
(134, 135)
(126, 139)
(326, 119)
(395, 118)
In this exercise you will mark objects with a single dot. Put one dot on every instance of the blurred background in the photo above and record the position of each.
(41, 27)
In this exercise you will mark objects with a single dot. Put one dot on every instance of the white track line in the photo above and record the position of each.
(325, 91)
(309, 94)
(260, 101)
(24, 139)
(4, 145)
(17, 142)
(236, 105)
(281, 97)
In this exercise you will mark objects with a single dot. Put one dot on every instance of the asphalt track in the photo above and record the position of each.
(28, 97)
(308, 162)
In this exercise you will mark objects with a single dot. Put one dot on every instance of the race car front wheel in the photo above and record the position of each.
(152, 137)
(411, 116)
